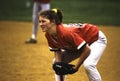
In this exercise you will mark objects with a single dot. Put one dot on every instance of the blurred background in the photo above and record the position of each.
(105, 12)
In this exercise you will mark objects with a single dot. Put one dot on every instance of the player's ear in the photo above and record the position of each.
(53, 21)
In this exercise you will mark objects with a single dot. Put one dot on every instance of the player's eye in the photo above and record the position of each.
(42, 21)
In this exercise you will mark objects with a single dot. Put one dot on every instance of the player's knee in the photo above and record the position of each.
(35, 16)
(89, 66)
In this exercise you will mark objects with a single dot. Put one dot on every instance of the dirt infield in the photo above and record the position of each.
(32, 62)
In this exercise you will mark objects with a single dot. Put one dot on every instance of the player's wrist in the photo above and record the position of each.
(76, 68)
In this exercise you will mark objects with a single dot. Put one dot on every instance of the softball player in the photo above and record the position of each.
(71, 41)
(39, 5)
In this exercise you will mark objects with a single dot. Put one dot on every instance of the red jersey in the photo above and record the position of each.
(43, 1)
(73, 36)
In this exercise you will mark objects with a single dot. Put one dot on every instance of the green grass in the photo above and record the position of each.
(106, 12)
(95, 11)
(15, 10)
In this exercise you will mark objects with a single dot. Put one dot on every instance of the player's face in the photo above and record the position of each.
(46, 25)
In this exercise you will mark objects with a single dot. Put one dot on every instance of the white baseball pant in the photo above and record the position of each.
(37, 7)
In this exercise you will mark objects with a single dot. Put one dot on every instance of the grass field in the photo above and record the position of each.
(105, 12)
(32, 62)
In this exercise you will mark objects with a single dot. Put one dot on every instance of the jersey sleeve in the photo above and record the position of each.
(75, 40)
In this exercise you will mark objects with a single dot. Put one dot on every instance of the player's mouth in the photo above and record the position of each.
(44, 28)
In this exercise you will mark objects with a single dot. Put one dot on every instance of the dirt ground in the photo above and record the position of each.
(32, 62)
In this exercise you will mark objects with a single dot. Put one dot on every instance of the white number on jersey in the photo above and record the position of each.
(77, 25)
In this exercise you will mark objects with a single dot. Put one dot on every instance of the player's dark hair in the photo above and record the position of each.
(53, 14)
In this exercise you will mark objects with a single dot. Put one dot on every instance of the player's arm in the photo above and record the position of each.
(58, 56)
(85, 51)
(81, 46)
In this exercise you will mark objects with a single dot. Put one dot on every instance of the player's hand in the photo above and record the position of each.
(61, 68)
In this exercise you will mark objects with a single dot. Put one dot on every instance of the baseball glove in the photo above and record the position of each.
(61, 68)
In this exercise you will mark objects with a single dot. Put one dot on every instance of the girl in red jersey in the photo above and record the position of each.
(71, 41)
